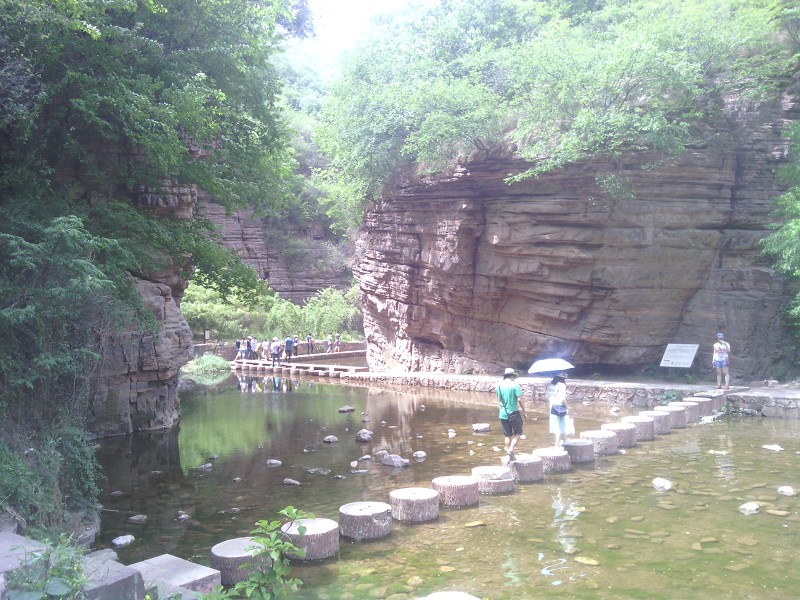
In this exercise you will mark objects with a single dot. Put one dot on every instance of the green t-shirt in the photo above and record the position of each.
(508, 391)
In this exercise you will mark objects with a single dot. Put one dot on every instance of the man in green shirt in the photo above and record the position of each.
(512, 411)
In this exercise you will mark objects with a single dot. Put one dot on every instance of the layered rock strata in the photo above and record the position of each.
(135, 388)
(296, 265)
(601, 262)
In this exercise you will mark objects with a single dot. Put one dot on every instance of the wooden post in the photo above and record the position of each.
(580, 451)
(626, 433)
(645, 427)
(662, 421)
(321, 539)
(228, 557)
(456, 491)
(605, 442)
(365, 520)
(414, 505)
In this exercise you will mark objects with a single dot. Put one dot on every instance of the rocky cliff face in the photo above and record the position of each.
(461, 271)
(297, 265)
(136, 386)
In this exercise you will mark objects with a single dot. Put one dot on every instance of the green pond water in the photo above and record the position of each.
(689, 542)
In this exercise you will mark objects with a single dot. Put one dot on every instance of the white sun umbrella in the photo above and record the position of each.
(548, 365)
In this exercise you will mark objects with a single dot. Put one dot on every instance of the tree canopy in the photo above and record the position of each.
(100, 101)
(557, 82)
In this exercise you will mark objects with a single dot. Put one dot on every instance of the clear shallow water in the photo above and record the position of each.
(690, 542)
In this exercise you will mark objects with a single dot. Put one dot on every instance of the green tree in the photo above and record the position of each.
(783, 245)
(551, 83)
(101, 104)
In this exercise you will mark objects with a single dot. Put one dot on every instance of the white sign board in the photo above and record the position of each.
(679, 355)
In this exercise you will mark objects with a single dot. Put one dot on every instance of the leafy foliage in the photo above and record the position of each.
(783, 244)
(270, 580)
(102, 104)
(327, 311)
(56, 572)
(553, 82)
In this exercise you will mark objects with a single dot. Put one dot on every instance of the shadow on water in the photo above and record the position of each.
(600, 531)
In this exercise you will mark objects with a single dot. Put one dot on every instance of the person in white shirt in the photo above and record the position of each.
(721, 360)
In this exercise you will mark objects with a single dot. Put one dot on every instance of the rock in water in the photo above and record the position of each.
(661, 484)
(773, 447)
(480, 427)
(347, 409)
(123, 540)
(786, 490)
(749, 508)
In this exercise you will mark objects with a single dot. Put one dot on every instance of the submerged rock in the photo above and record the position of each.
(394, 460)
(137, 519)
(749, 508)
(786, 490)
(347, 409)
(661, 484)
(123, 540)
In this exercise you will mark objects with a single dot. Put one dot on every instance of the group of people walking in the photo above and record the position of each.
(250, 348)
(512, 408)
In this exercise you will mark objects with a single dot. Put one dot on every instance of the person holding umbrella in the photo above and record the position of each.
(512, 410)
(556, 395)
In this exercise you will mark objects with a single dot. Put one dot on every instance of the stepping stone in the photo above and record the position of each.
(678, 414)
(580, 451)
(365, 520)
(662, 420)
(626, 433)
(554, 460)
(177, 572)
(414, 505)
(605, 442)
(321, 539)
(109, 578)
(526, 468)
(456, 491)
(645, 427)
(494, 480)
(229, 556)
(692, 410)
(705, 405)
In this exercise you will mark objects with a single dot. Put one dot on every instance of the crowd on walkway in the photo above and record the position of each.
(250, 348)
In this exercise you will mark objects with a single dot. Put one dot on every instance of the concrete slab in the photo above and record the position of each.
(14, 549)
(177, 572)
(109, 579)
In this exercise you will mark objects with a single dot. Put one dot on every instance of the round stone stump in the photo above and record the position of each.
(580, 451)
(605, 442)
(320, 541)
(228, 557)
(678, 414)
(526, 469)
(456, 491)
(554, 460)
(365, 520)
(626, 433)
(719, 401)
(494, 480)
(414, 505)
(662, 421)
(645, 427)
(706, 405)
(692, 410)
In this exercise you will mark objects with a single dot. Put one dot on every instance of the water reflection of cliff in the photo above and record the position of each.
(401, 407)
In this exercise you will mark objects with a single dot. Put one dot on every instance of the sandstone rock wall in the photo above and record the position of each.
(296, 273)
(135, 388)
(462, 272)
